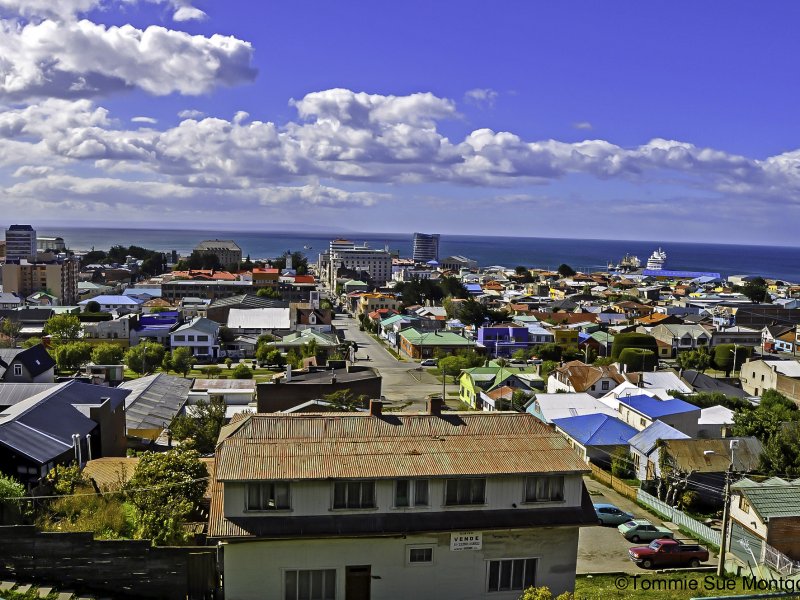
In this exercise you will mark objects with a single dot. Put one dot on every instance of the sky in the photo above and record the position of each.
(610, 120)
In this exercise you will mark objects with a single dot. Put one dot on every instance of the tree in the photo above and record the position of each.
(756, 290)
(63, 328)
(31, 342)
(519, 398)
(695, 360)
(781, 454)
(270, 356)
(566, 271)
(621, 463)
(472, 312)
(107, 354)
(452, 365)
(166, 488)
(547, 367)
(343, 400)
(633, 340)
(724, 356)
(9, 509)
(182, 360)
(93, 306)
(11, 330)
(241, 371)
(638, 359)
(212, 371)
(549, 352)
(268, 292)
(200, 430)
(72, 355)
(767, 418)
(145, 357)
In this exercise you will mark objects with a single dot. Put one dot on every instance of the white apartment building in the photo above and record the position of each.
(343, 254)
(433, 505)
(20, 242)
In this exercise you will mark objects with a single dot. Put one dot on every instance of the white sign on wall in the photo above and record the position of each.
(466, 540)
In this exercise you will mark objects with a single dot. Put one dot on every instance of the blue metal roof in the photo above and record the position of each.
(596, 430)
(119, 299)
(654, 408)
(645, 440)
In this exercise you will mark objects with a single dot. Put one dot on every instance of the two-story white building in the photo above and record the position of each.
(200, 336)
(402, 505)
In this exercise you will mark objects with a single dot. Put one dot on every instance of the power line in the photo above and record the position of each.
(110, 492)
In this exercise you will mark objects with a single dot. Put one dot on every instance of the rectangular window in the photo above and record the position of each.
(189, 338)
(419, 555)
(511, 574)
(744, 505)
(179, 338)
(604, 386)
(410, 492)
(271, 495)
(544, 489)
(354, 494)
(465, 491)
(17, 370)
(202, 338)
(307, 584)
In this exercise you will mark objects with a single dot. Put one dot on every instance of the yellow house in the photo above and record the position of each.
(369, 302)
(558, 294)
(566, 338)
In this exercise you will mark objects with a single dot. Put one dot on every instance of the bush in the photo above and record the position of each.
(242, 372)
(638, 359)
(689, 501)
(544, 593)
(633, 340)
(106, 516)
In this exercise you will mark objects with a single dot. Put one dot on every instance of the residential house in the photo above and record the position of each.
(765, 517)
(780, 375)
(475, 383)
(771, 334)
(700, 382)
(548, 407)
(595, 437)
(641, 411)
(644, 448)
(742, 336)
(153, 402)
(503, 339)
(219, 309)
(682, 337)
(9, 301)
(566, 338)
(12, 393)
(258, 321)
(325, 342)
(200, 336)
(238, 394)
(492, 525)
(117, 330)
(318, 319)
(155, 327)
(296, 388)
(576, 376)
(71, 422)
(120, 304)
(715, 422)
(28, 365)
(423, 344)
(371, 302)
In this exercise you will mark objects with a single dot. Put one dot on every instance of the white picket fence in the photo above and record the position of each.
(703, 532)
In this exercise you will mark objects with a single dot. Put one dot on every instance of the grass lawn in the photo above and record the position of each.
(653, 586)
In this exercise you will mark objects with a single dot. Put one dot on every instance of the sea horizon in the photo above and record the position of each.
(583, 254)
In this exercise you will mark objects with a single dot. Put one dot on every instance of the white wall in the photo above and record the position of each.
(254, 570)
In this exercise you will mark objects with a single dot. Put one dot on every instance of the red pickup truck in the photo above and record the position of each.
(668, 553)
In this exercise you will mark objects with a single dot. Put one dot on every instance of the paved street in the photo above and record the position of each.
(402, 382)
(602, 549)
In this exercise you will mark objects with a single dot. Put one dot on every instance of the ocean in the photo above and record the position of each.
(581, 254)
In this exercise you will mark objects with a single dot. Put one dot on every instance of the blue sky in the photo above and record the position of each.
(607, 120)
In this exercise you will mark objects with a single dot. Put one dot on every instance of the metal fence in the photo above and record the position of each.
(703, 532)
(781, 563)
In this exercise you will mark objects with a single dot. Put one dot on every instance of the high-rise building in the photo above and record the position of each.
(56, 277)
(227, 252)
(426, 247)
(20, 242)
(344, 254)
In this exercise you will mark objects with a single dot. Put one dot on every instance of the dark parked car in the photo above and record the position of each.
(668, 553)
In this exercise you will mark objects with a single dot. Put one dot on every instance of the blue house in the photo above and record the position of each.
(641, 411)
(503, 339)
(155, 327)
(595, 437)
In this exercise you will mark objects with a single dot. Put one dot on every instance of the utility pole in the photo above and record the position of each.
(725, 517)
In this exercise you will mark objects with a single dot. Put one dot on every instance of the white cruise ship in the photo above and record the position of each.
(657, 260)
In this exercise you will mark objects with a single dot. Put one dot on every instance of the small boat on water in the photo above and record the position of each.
(629, 262)
(306, 247)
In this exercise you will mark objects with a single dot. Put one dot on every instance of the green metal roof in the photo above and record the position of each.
(772, 498)
(435, 338)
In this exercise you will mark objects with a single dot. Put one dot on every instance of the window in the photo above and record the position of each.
(465, 491)
(17, 370)
(410, 492)
(190, 338)
(318, 584)
(419, 555)
(354, 494)
(642, 422)
(272, 495)
(511, 574)
(744, 505)
(179, 338)
(544, 489)
(202, 338)
(604, 386)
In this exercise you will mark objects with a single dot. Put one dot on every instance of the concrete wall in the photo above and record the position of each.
(256, 569)
(316, 498)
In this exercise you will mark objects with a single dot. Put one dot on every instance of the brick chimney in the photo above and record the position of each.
(435, 405)
(375, 408)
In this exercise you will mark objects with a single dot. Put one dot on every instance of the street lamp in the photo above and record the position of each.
(725, 508)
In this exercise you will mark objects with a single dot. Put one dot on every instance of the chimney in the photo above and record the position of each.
(288, 372)
(375, 408)
(435, 404)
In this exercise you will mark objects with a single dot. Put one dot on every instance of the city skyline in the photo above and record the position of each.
(674, 123)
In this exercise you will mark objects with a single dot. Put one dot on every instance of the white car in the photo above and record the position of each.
(429, 362)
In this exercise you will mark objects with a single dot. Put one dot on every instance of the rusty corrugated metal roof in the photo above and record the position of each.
(352, 445)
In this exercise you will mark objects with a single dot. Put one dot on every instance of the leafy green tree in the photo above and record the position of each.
(268, 292)
(107, 354)
(453, 288)
(212, 371)
(472, 312)
(724, 355)
(31, 342)
(638, 359)
(72, 355)
(166, 488)
(621, 463)
(343, 400)
(549, 352)
(781, 453)
(603, 361)
(452, 366)
(633, 340)
(566, 271)
(547, 367)
(756, 290)
(93, 306)
(519, 399)
(200, 430)
(270, 356)
(63, 328)
(145, 357)
(695, 360)
(65, 479)
(241, 371)
(166, 362)
(299, 263)
(767, 418)
(182, 360)
(11, 330)
(10, 509)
